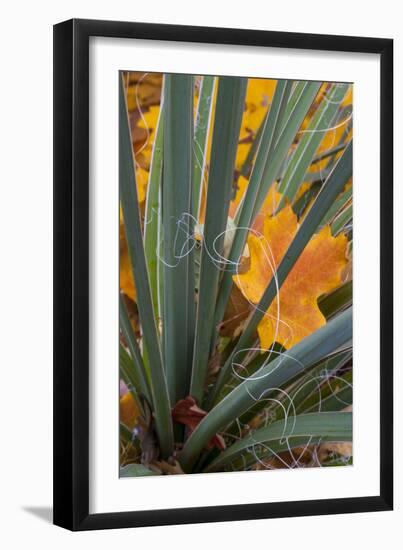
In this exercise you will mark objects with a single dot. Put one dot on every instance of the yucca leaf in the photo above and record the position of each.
(201, 131)
(324, 117)
(297, 89)
(153, 212)
(247, 207)
(132, 223)
(284, 111)
(250, 367)
(330, 190)
(326, 340)
(329, 152)
(136, 470)
(342, 220)
(178, 321)
(292, 393)
(292, 449)
(246, 167)
(328, 426)
(160, 269)
(128, 373)
(336, 301)
(132, 390)
(303, 202)
(248, 162)
(125, 434)
(292, 121)
(136, 376)
(334, 399)
(316, 381)
(319, 176)
(127, 367)
(337, 206)
(228, 116)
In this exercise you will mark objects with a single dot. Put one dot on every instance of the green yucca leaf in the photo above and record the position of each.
(319, 176)
(152, 221)
(342, 219)
(335, 397)
(132, 223)
(303, 202)
(316, 381)
(281, 115)
(136, 470)
(125, 434)
(290, 447)
(228, 116)
(179, 285)
(296, 91)
(336, 301)
(291, 124)
(331, 189)
(247, 165)
(136, 373)
(128, 370)
(305, 151)
(326, 340)
(247, 207)
(128, 373)
(337, 206)
(201, 131)
(294, 392)
(328, 426)
(283, 112)
(329, 152)
(252, 364)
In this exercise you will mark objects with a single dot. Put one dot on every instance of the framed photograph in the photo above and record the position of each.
(223, 321)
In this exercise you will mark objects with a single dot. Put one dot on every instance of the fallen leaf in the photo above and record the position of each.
(188, 413)
(237, 310)
(331, 137)
(317, 271)
(167, 467)
(125, 268)
(344, 448)
(144, 89)
(259, 95)
(268, 207)
(128, 410)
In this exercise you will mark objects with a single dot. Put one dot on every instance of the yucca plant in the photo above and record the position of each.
(236, 284)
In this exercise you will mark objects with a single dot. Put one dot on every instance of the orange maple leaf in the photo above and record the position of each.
(317, 271)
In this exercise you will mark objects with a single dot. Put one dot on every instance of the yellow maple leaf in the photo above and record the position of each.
(144, 89)
(317, 271)
(141, 182)
(259, 95)
(147, 123)
(149, 119)
(332, 137)
(269, 206)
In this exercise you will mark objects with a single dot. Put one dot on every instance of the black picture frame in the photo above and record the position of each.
(71, 274)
